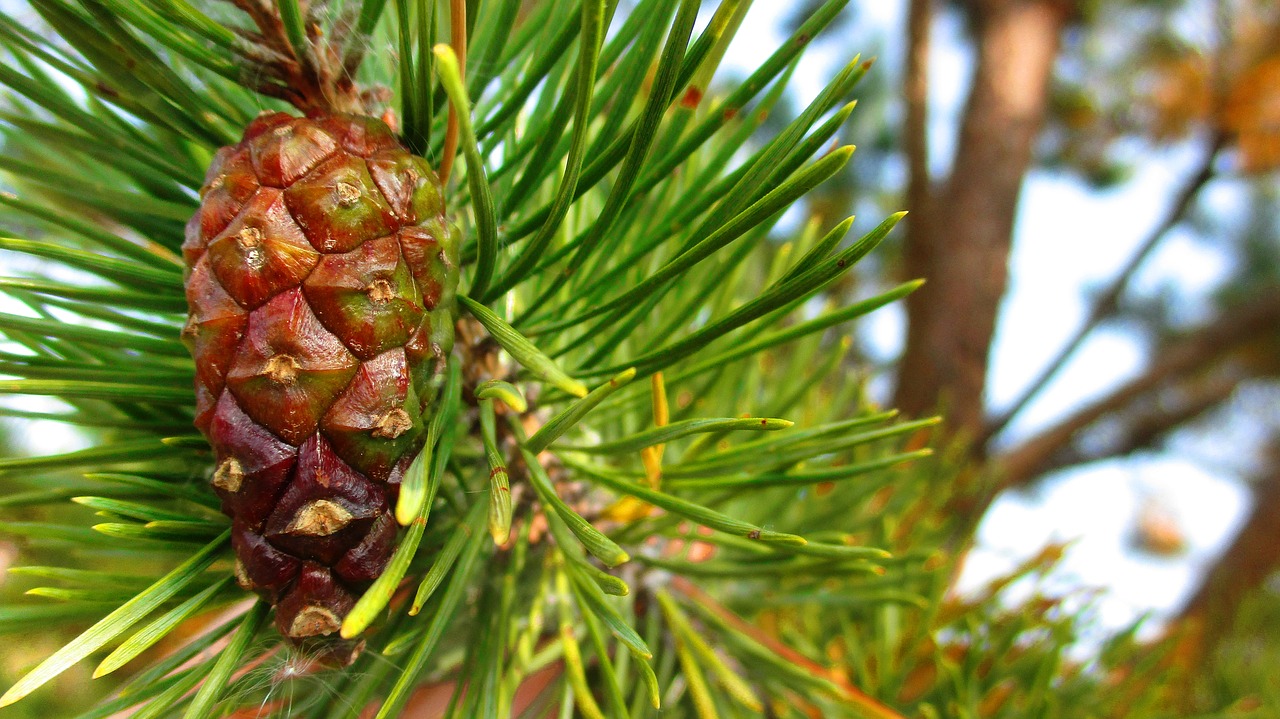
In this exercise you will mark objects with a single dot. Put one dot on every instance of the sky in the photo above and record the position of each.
(1069, 237)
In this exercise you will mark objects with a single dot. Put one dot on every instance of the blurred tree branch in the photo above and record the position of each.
(1107, 304)
(1194, 359)
(1148, 420)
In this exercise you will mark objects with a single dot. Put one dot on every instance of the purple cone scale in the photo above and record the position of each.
(321, 274)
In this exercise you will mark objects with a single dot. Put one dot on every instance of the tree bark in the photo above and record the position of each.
(961, 240)
(1254, 555)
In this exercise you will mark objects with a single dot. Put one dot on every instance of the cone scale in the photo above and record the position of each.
(320, 279)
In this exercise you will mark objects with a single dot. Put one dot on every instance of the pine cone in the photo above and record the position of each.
(321, 286)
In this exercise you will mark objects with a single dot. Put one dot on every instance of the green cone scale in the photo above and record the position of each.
(321, 280)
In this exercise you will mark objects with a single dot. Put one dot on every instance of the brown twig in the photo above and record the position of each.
(267, 19)
(458, 39)
(312, 78)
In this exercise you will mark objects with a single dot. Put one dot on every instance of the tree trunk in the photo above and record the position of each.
(1254, 555)
(961, 240)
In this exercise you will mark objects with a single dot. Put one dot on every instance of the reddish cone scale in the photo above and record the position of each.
(321, 278)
